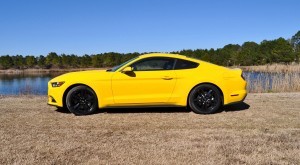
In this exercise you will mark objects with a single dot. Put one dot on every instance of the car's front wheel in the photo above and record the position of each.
(81, 100)
(205, 99)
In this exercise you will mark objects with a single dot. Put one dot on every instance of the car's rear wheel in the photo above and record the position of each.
(205, 99)
(81, 100)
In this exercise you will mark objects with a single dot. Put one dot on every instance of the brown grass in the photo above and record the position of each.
(266, 133)
(273, 68)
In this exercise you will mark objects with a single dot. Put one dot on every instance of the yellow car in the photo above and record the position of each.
(150, 80)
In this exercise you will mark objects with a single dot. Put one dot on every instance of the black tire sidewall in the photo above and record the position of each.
(68, 99)
(199, 111)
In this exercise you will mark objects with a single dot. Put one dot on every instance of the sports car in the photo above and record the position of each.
(150, 80)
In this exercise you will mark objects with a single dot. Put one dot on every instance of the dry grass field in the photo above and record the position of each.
(263, 130)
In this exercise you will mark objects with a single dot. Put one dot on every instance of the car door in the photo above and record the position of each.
(151, 81)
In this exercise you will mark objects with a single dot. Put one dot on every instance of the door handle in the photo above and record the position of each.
(167, 78)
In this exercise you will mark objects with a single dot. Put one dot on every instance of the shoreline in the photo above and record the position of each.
(32, 71)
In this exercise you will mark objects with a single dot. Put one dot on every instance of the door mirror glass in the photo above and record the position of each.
(127, 69)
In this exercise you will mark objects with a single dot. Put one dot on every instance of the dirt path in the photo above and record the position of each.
(267, 132)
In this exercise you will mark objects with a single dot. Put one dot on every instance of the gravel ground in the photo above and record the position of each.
(263, 130)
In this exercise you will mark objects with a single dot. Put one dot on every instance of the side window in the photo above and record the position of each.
(183, 64)
(152, 64)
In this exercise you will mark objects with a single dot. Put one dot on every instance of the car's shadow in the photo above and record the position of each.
(148, 110)
(228, 108)
(235, 107)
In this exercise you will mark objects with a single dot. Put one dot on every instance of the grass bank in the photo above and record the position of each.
(273, 68)
(267, 132)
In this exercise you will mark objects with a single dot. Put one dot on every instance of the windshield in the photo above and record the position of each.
(119, 66)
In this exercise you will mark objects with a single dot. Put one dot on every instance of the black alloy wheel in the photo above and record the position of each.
(81, 100)
(205, 99)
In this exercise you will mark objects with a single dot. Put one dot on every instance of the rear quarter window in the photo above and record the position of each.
(184, 64)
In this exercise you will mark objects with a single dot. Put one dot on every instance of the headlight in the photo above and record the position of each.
(57, 84)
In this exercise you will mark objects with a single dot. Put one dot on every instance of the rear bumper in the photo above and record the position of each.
(237, 96)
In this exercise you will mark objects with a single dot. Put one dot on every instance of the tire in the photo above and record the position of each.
(205, 99)
(81, 100)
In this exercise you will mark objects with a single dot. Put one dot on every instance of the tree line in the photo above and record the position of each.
(249, 53)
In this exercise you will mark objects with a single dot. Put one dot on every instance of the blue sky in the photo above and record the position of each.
(35, 27)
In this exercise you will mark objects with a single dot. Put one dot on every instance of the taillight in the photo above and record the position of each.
(242, 75)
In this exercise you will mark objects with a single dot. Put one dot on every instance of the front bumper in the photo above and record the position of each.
(55, 95)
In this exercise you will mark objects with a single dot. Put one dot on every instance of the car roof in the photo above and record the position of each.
(163, 55)
(170, 55)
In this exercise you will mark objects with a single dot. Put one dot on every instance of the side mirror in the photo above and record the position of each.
(127, 69)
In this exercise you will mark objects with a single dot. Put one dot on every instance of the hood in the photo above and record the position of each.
(83, 75)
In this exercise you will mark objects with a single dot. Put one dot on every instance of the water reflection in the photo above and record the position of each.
(15, 84)
(272, 82)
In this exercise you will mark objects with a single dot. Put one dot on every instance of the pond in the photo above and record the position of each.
(16, 84)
